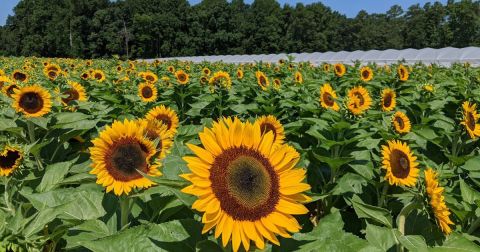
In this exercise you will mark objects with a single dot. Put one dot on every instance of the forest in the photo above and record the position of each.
(165, 28)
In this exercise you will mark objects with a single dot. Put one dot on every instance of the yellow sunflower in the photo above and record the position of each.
(399, 162)
(20, 76)
(247, 186)
(366, 74)
(326, 67)
(149, 77)
(262, 80)
(328, 97)
(221, 79)
(437, 201)
(52, 75)
(10, 159)
(298, 77)
(76, 92)
(171, 69)
(85, 76)
(389, 99)
(359, 100)
(98, 75)
(206, 71)
(470, 119)
(182, 77)
(402, 73)
(118, 153)
(147, 92)
(339, 69)
(9, 89)
(155, 130)
(164, 115)
(271, 124)
(32, 101)
(401, 123)
(429, 88)
(277, 83)
(4, 81)
(239, 74)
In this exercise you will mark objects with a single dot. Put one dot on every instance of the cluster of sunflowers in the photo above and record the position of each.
(200, 148)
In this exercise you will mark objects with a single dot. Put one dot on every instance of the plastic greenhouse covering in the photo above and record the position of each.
(444, 56)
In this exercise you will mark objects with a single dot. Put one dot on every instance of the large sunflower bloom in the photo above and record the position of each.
(147, 92)
(221, 79)
(271, 124)
(118, 153)
(262, 80)
(298, 77)
(328, 97)
(437, 201)
(401, 123)
(32, 101)
(76, 92)
(20, 76)
(10, 159)
(165, 115)
(366, 74)
(339, 69)
(359, 100)
(182, 77)
(389, 99)
(246, 185)
(470, 119)
(155, 130)
(402, 73)
(399, 162)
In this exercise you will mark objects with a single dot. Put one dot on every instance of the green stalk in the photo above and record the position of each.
(474, 226)
(402, 217)
(124, 211)
(5, 195)
(31, 136)
(384, 193)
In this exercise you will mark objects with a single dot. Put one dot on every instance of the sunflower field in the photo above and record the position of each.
(111, 155)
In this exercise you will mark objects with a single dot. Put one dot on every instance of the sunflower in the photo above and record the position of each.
(119, 68)
(88, 62)
(149, 77)
(247, 186)
(298, 77)
(402, 73)
(98, 75)
(239, 74)
(359, 100)
(328, 97)
(9, 89)
(429, 88)
(32, 101)
(326, 67)
(4, 81)
(20, 76)
(339, 69)
(85, 76)
(366, 74)
(389, 99)
(147, 92)
(52, 75)
(76, 92)
(437, 201)
(52, 67)
(120, 151)
(470, 119)
(271, 124)
(182, 77)
(155, 130)
(277, 83)
(10, 159)
(164, 115)
(400, 164)
(206, 71)
(401, 123)
(171, 69)
(262, 80)
(221, 78)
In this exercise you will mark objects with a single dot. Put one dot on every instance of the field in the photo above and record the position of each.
(111, 155)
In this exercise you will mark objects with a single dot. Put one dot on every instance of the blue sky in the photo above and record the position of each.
(347, 7)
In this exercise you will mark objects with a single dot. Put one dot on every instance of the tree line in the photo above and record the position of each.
(165, 28)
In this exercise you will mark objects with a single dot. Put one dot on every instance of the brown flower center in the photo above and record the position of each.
(72, 95)
(182, 77)
(400, 122)
(400, 164)
(165, 119)
(328, 99)
(31, 102)
(124, 158)
(387, 100)
(98, 76)
(470, 121)
(360, 98)
(19, 76)
(147, 92)
(8, 161)
(263, 81)
(149, 78)
(365, 74)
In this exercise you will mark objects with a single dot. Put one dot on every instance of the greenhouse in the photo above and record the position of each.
(444, 56)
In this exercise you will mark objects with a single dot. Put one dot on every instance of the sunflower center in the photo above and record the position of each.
(266, 127)
(470, 121)
(360, 98)
(98, 76)
(147, 92)
(182, 77)
(52, 74)
(245, 183)
(149, 78)
(387, 101)
(400, 122)
(72, 95)
(19, 76)
(31, 102)
(124, 158)
(84, 76)
(328, 99)
(8, 161)
(11, 89)
(400, 164)
(263, 81)
(365, 74)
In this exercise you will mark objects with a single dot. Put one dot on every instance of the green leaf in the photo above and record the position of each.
(472, 164)
(334, 163)
(413, 242)
(380, 237)
(377, 214)
(469, 194)
(208, 246)
(349, 182)
(456, 242)
(6, 124)
(54, 174)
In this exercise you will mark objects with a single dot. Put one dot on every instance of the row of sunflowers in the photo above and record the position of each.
(109, 155)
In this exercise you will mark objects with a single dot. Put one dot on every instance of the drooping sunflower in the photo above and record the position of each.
(328, 97)
(399, 162)
(98, 75)
(437, 201)
(298, 77)
(206, 71)
(32, 101)
(239, 74)
(182, 77)
(10, 159)
(20, 76)
(262, 80)
(147, 92)
(277, 83)
(271, 124)
(402, 73)
(389, 99)
(118, 153)
(470, 119)
(155, 130)
(366, 74)
(164, 115)
(247, 186)
(9, 89)
(221, 79)
(401, 123)
(75, 92)
(359, 100)
(339, 69)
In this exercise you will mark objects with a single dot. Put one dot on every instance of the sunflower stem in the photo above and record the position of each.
(474, 226)
(5, 195)
(402, 217)
(31, 136)
(383, 195)
(124, 211)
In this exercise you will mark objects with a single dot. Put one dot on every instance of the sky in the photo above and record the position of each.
(347, 7)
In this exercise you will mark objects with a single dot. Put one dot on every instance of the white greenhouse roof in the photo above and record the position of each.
(444, 56)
